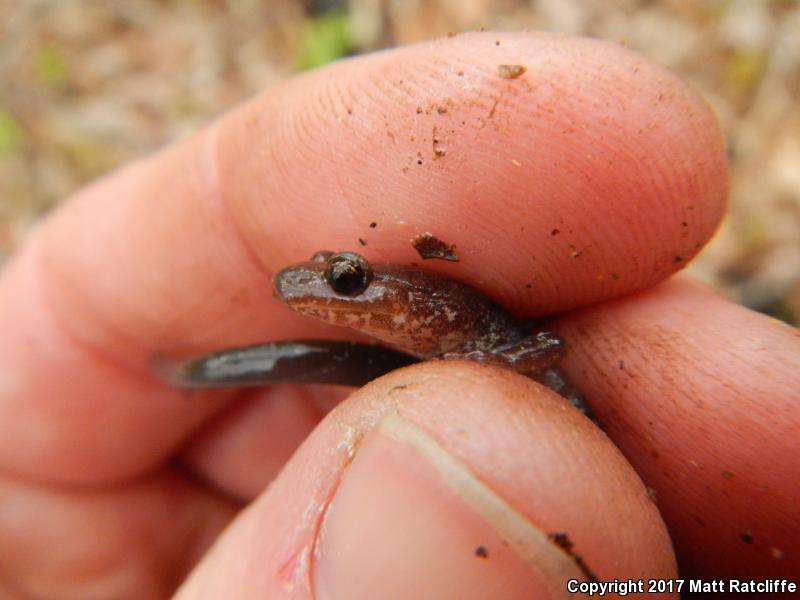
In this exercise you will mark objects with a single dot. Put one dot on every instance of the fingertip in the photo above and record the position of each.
(409, 521)
(593, 174)
(447, 476)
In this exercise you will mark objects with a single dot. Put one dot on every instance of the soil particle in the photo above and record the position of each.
(510, 71)
(562, 541)
(429, 246)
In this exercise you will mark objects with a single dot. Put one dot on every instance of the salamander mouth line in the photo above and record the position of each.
(338, 306)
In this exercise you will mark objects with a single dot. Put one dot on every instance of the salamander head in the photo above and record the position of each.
(411, 309)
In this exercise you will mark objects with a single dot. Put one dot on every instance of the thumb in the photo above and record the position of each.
(444, 479)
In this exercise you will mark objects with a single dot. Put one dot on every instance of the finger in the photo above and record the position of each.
(445, 479)
(701, 396)
(137, 541)
(281, 176)
(69, 414)
(566, 165)
(242, 451)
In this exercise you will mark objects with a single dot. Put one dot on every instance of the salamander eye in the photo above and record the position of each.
(348, 273)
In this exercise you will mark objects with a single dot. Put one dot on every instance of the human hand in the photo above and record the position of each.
(590, 177)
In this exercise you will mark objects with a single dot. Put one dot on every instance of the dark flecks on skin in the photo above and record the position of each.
(562, 541)
(482, 552)
(429, 246)
(438, 151)
(747, 537)
(699, 521)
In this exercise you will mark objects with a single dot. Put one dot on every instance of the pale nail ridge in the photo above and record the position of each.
(530, 543)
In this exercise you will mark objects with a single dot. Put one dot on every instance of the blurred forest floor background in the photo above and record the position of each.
(88, 85)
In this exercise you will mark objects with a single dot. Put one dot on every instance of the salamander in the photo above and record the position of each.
(420, 315)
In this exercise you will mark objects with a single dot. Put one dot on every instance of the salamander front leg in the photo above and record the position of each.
(535, 356)
(530, 356)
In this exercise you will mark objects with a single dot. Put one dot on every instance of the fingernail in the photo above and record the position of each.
(409, 520)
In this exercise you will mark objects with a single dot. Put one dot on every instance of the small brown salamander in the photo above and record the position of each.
(423, 315)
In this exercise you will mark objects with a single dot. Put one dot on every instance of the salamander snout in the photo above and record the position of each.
(295, 282)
